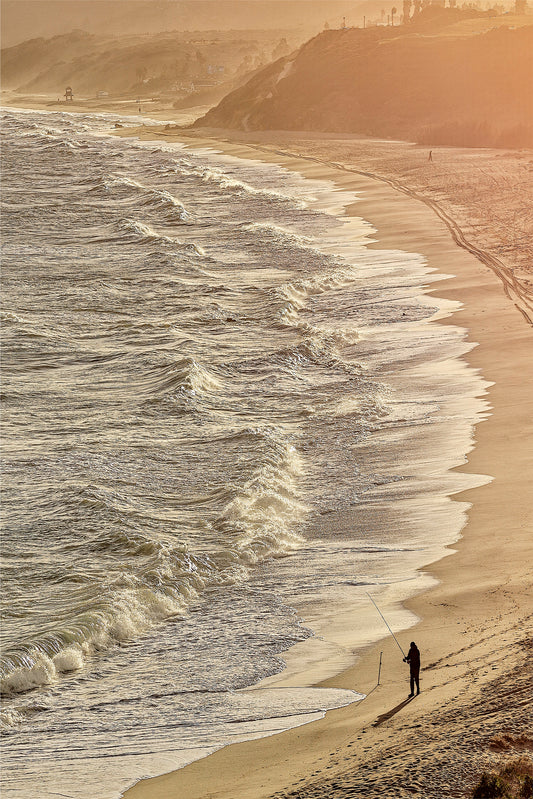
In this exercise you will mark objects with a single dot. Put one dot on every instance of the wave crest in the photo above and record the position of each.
(161, 577)
(131, 231)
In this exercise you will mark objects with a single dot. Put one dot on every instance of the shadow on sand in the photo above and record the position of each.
(390, 713)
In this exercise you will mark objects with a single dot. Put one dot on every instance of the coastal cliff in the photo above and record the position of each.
(450, 87)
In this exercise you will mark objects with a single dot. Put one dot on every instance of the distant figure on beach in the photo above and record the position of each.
(413, 658)
(430, 157)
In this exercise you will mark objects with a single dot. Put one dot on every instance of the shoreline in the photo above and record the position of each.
(486, 314)
(260, 768)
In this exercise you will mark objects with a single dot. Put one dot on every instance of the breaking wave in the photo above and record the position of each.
(170, 208)
(131, 231)
(225, 181)
(160, 577)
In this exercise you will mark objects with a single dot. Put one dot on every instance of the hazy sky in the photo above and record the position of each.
(25, 19)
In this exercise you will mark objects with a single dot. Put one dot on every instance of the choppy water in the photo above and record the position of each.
(204, 370)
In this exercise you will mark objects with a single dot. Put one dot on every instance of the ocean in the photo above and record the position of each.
(226, 421)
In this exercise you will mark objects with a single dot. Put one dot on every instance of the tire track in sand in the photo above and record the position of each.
(514, 289)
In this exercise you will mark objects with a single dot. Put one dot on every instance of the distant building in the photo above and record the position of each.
(69, 96)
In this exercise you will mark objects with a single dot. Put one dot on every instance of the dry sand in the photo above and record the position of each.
(475, 628)
(470, 213)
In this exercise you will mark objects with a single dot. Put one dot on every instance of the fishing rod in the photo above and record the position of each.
(385, 620)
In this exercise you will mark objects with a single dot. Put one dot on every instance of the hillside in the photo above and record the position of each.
(468, 89)
(174, 64)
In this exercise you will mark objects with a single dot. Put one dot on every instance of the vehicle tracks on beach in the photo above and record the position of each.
(515, 289)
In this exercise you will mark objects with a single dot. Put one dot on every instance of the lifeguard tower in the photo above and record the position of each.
(69, 97)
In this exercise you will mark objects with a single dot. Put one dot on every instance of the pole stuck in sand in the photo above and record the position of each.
(385, 620)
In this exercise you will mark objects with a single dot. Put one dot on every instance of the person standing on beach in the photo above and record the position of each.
(413, 658)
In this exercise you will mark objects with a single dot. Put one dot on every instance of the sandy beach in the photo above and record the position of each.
(474, 630)
(152, 109)
(468, 212)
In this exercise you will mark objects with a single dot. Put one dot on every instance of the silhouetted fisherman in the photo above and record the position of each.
(430, 157)
(413, 658)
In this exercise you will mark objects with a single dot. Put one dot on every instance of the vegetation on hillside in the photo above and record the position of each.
(174, 64)
(514, 780)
